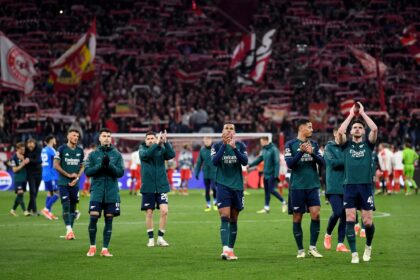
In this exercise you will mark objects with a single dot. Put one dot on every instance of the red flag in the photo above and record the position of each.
(345, 106)
(76, 64)
(17, 67)
(369, 63)
(318, 114)
(243, 50)
(96, 102)
(411, 42)
(251, 63)
(263, 56)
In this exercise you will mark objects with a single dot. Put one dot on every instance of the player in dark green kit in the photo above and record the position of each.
(358, 177)
(69, 163)
(302, 157)
(271, 157)
(209, 172)
(104, 166)
(229, 156)
(334, 161)
(18, 164)
(155, 186)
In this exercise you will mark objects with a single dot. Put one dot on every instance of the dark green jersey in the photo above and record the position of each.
(20, 176)
(303, 165)
(270, 156)
(153, 172)
(71, 160)
(358, 162)
(204, 160)
(334, 161)
(228, 163)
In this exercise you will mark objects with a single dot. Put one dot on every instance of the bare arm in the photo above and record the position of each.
(343, 127)
(373, 134)
(60, 170)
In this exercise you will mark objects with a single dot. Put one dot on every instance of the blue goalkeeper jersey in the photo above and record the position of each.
(48, 171)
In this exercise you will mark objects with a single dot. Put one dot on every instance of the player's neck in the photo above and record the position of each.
(302, 138)
(357, 139)
(71, 146)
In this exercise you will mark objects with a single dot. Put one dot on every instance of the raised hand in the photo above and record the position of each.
(353, 110)
(164, 136)
(361, 108)
(232, 141)
(225, 137)
(159, 138)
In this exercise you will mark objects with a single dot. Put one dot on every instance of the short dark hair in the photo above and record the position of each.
(20, 145)
(150, 133)
(229, 122)
(49, 138)
(31, 140)
(104, 129)
(358, 121)
(302, 122)
(73, 130)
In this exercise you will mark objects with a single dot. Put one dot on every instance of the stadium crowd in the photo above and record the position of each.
(164, 66)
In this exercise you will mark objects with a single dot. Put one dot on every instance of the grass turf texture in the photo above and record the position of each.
(31, 247)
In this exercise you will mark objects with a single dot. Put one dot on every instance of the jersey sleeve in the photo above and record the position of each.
(291, 160)
(58, 153)
(82, 157)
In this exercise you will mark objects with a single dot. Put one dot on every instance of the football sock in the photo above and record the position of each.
(73, 207)
(150, 233)
(370, 231)
(66, 213)
(18, 201)
(224, 231)
(22, 202)
(92, 229)
(51, 201)
(342, 228)
(47, 202)
(107, 231)
(351, 236)
(298, 234)
(161, 232)
(277, 195)
(314, 228)
(233, 230)
(331, 223)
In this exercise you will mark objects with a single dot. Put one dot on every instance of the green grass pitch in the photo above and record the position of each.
(30, 247)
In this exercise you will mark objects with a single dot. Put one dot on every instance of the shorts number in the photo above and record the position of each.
(243, 202)
(370, 200)
(164, 196)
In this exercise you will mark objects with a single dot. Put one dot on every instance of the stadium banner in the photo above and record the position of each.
(276, 113)
(369, 63)
(318, 115)
(76, 64)
(17, 67)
